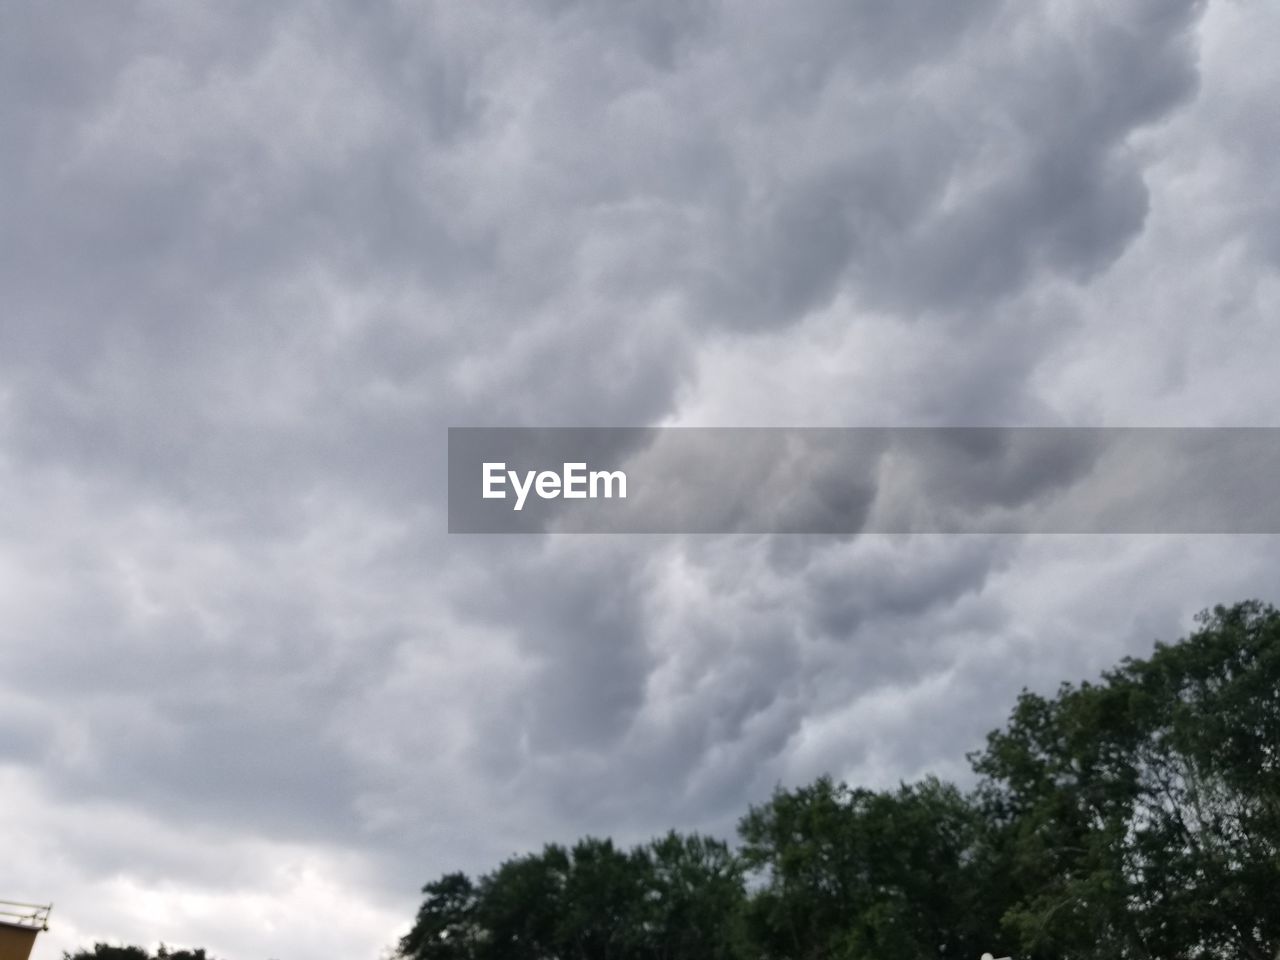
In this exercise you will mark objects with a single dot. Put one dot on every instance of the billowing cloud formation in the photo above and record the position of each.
(255, 260)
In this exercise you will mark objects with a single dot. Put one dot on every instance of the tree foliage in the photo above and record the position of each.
(677, 897)
(856, 873)
(105, 951)
(1134, 817)
(1140, 816)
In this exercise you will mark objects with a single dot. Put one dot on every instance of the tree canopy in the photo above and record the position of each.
(105, 951)
(1137, 816)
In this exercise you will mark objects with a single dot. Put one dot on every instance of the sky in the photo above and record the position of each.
(256, 258)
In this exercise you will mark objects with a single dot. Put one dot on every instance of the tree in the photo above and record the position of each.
(602, 907)
(679, 898)
(695, 900)
(521, 905)
(1141, 815)
(446, 927)
(165, 954)
(104, 951)
(1134, 818)
(852, 873)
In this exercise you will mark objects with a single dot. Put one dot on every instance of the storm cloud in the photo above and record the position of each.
(255, 260)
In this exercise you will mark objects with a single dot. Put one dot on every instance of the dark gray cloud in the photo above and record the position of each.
(256, 260)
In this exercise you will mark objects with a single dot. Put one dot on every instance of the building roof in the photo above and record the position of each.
(25, 916)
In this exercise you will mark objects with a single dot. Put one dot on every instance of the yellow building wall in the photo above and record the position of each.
(16, 942)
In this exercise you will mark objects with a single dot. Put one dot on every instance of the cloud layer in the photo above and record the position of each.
(255, 261)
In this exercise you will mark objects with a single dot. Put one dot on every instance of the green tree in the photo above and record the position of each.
(693, 908)
(602, 909)
(1140, 816)
(165, 954)
(520, 907)
(1130, 819)
(679, 898)
(445, 928)
(852, 873)
(105, 951)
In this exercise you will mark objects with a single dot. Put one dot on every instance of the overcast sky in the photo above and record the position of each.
(255, 258)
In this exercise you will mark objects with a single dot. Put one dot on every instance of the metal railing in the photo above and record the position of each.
(32, 915)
